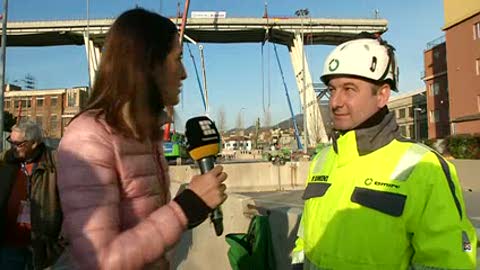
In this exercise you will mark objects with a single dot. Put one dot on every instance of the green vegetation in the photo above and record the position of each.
(464, 146)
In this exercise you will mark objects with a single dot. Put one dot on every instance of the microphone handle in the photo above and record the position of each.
(206, 165)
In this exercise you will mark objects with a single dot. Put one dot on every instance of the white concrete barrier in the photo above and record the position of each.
(260, 176)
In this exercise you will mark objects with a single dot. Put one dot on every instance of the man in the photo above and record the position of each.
(375, 200)
(29, 203)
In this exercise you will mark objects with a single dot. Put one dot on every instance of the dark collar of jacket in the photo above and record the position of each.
(378, 131)
(45, 160)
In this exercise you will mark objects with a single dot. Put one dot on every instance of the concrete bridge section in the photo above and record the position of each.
(291, 32)
(264, 188)
(223, 30)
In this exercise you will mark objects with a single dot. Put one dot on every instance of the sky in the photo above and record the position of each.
(234, 71)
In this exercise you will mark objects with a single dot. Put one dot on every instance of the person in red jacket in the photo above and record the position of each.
(113, 177)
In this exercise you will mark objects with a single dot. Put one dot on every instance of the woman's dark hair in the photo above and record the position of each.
(136, 42)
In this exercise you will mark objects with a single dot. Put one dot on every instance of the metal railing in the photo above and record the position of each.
(435, 42)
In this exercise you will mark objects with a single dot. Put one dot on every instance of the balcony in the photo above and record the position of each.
(435, 43)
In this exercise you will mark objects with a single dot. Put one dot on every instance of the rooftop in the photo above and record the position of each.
(420, 91)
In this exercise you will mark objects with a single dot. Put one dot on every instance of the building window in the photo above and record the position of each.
(434, 116)
(7, 104)
(477, 66)
(39, 102)
(476, 31)
(403, 130)
(410, 112)
(411, 131)
(478, 103)
(53, 102)
(71, 99)
(436, 88)
(24, 103)
(401, 113)
(53, 123)
(39, 120)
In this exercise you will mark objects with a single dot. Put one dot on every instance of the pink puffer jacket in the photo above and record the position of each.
(115, 198)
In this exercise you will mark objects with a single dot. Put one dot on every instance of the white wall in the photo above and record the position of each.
(260, 176)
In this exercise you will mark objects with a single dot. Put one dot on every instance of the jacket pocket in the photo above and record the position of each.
(386, 202)
(315, 189)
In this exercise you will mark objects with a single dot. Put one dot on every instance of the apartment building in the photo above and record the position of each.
(435, 77)
(52, 109)
(462, 32)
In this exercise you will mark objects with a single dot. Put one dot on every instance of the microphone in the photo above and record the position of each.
(203, 142)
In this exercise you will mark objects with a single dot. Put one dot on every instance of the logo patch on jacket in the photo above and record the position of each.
(319, 178)
(370, 181)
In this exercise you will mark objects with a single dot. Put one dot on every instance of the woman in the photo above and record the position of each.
(113, 177)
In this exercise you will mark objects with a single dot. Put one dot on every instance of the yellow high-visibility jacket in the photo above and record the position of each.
(376, 201)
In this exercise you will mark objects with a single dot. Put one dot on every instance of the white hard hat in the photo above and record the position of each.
(367, 58)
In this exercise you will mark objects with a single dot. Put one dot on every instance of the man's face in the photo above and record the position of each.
(352, 101)
(23, 149)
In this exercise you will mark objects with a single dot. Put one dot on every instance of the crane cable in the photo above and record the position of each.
(198, 77)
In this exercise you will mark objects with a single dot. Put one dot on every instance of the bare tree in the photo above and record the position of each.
(239, 122)
(221, 119)
(257, 132)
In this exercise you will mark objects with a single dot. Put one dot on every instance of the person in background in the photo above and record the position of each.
(375, 200)
(113, 177)
(31, 215)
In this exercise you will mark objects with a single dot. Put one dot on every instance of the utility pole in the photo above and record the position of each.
(87, 44)
(2, 69)
(416, 127)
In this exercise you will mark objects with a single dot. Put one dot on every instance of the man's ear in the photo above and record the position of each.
(34, 145)
(383, 95)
